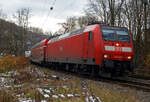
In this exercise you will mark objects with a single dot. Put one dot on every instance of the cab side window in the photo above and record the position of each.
(90, 35)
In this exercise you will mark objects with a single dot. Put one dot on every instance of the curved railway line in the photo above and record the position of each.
(138, 83)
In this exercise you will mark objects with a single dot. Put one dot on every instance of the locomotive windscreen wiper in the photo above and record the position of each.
(115, 34)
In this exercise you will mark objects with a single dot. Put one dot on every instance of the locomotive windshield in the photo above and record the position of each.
(115, 34)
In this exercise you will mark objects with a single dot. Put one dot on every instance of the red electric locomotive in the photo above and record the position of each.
(102, 47)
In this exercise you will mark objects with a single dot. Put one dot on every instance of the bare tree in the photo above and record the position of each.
(98, 8)
(22, 17)
(69, 25)
(2, 14)
(146, 14)
(106, 10)
(85, 20)
(35, 29)
(49, 33)
(74, 23)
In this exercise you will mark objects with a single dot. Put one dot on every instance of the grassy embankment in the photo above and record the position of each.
(144, 69)
(28, 79)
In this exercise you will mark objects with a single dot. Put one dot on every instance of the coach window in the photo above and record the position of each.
(90, 35)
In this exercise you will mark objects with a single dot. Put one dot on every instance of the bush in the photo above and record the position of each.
(9, 62)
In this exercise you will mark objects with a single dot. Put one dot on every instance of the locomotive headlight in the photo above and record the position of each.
(109, 48)
(129, 57)
(106, 56)
(126, 49)
(117, 44)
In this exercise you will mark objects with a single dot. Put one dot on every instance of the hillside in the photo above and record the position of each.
(11, 37)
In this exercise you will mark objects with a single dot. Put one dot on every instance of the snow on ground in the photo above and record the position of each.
(49, 85)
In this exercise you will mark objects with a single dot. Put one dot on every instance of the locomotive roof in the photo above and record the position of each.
(38, 44)
(79, 31)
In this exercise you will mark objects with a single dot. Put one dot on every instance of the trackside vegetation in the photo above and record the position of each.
(21, 81)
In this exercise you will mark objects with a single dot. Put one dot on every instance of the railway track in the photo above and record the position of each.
(133, 82)
(139, 84)
(140, 77)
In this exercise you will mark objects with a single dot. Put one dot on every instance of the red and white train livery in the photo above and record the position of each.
(108, 48)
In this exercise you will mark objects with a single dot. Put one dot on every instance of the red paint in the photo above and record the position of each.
(79, 46)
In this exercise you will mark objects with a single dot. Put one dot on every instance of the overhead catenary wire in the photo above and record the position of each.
(54, 2)
(56, 15)
(60, 14)
(49, 11)
(43, 7)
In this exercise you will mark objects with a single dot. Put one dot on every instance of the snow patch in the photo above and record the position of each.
(54, 96)
(98, 99)
(25, 100)
(47, 91)
(77, 95)
(61, 95)
(40, 90)
(43, 101)
(46, 95)
(65, 87)
(86, 99)
(54, 76)
(7, 86)
(91, 99)
(2, 79)
(70, 95)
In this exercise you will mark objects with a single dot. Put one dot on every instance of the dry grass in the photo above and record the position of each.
(74, 99)
(28, 75)
(144, 69)
(25, 75)
(9, 62)
(34, 94)
(5, 97)
(147, 62)
(107, 95)
(74, 87)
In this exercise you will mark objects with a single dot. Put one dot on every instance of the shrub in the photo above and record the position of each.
(9, 62)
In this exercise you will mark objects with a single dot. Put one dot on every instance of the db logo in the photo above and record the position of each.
(60, 48)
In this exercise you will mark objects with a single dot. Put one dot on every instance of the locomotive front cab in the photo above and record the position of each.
(118, 47)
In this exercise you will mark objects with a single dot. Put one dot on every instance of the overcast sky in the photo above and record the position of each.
(41, 15)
